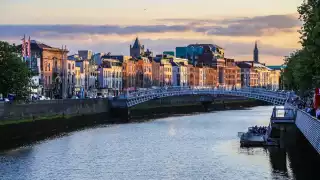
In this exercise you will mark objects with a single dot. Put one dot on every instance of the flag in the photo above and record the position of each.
(24, 46)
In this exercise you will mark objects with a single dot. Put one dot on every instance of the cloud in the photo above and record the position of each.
(243, 26)
(56, 30)
(248, 26)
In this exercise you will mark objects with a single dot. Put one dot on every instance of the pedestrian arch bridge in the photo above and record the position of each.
(135, 98)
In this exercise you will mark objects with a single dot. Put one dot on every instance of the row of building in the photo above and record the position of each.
(88, 74)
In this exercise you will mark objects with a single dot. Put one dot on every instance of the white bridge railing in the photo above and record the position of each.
(276, 98)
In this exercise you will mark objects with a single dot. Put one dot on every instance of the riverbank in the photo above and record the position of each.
(23, 133)
(34, 127)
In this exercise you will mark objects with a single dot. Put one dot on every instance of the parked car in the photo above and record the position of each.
(5, 100)
(74, 97)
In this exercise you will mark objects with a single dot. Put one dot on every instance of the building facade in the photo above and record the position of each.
(54, 72)
(110, 77)
(155, 73)
(274, 79)
(211, 76)
(71, 79)
(144, 73)
(129, 75)
(232, 74)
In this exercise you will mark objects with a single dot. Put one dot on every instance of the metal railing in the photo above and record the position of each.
(308, 125)
(277, 98)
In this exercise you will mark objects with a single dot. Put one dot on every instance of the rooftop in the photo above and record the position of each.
(210, 45)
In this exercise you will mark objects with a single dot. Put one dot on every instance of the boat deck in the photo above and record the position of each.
(259, 140)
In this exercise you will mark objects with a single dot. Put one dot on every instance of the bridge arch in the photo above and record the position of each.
(275, 98)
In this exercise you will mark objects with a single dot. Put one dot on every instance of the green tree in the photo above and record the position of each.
(303, 66)
(14, 74)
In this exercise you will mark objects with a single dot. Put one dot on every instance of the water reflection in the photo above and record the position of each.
(278, 162)
(201, 146)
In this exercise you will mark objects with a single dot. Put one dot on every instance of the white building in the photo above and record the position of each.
(179, 74)
(110, 77)
(36, 87)
(71, 78)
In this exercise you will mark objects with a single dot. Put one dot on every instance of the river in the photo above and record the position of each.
(198, 146)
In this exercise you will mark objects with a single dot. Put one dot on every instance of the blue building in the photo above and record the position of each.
(181, 52)
(171, 53)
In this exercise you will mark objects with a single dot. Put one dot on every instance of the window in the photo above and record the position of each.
(49, 67)
(69, 66)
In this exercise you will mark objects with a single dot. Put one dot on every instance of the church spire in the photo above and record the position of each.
(136, 43)
(256, 53)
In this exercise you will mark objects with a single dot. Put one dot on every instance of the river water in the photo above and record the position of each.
(198, 146)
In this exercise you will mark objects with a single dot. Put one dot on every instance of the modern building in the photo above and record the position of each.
(181, 52)
(206, 54)
(171, 53)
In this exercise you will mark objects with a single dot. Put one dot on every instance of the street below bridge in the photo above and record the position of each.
(197, 146)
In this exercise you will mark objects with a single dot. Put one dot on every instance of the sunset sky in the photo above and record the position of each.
(111, 26)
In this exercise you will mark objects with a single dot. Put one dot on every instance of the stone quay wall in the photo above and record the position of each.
(52, 108)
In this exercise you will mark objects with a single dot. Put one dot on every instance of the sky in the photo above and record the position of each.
(112, 25)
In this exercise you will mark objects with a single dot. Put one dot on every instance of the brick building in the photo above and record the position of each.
(129, 74)
(53, 64)
(155, 73)
(232, 74)
(144, 73)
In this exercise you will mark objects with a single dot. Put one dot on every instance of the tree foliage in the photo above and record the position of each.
(14, 74)
(303, 66)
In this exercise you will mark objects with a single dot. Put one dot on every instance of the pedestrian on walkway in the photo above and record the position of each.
(318, 113)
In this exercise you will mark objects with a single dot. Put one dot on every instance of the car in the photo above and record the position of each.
(74, 97)
(5, 100)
